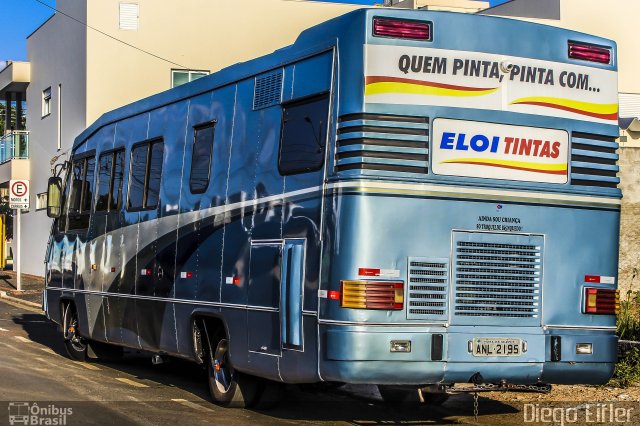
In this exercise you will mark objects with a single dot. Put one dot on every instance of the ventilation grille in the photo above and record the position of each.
(497, 276)
(383, 144)
(593, 160)
(268, 90)
(428, 289)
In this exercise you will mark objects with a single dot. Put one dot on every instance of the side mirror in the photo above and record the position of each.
(54, 197)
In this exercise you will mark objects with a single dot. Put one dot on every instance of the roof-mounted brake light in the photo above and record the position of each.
(588, 52)
(402, 28)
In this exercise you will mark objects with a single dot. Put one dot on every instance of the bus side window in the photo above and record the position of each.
(145, 176)
(303, 136)
(81, 197)
(115, 200)
(201, 158)
(110, 173)
(105, 168)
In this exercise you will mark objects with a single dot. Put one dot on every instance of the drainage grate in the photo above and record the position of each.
(428, 289)
(497, 276)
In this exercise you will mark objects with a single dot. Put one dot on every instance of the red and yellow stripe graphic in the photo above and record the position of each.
(601, 111)
(550, 169)
(375, 85)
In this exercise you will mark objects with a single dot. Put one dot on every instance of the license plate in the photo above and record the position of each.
(496, 347)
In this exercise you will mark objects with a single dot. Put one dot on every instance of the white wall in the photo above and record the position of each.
(198, 34)
(99, 74)
(57, 53)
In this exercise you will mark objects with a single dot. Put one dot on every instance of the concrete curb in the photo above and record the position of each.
(4, 295)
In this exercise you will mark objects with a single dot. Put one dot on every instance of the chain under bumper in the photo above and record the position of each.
(487, 387)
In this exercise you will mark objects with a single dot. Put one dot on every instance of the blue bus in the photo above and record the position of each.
(409, 199)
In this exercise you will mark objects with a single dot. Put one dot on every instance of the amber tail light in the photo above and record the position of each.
(601, 301)
(372, 295)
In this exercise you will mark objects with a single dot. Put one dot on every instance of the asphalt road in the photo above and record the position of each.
(35, 370)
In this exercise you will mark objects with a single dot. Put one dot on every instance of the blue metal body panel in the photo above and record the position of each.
(258, 249)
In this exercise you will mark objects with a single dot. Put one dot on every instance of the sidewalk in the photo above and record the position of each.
(32, 287)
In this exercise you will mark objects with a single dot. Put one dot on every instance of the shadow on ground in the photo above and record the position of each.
(358, 405)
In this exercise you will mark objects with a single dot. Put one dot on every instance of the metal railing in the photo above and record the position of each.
(14, 145)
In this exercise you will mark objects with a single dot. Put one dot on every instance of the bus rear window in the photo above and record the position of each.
(302, 142)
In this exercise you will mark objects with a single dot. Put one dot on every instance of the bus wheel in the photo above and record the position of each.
(228, 387)
(75, 344)
(398, 394)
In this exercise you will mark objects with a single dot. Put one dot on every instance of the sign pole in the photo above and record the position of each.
(18, 200)
(18, 255)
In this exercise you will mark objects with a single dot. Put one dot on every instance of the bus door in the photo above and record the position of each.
(275, 296)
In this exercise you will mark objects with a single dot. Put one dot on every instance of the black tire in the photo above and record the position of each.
(75, 345)
(230, 388)
(398, 394)
(270, 395)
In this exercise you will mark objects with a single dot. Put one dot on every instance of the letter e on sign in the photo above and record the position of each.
(19, 194)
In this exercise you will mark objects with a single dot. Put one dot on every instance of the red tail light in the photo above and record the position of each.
(400, 28)
(601, 301)
(372, 295)
(587, 52)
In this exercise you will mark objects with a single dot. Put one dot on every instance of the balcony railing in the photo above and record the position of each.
(14, 145)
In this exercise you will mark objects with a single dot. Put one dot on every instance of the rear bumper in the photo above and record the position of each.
(363, 355)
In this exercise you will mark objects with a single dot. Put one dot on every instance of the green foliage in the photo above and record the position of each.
(627, 372)
(13, 117)
(629, 317)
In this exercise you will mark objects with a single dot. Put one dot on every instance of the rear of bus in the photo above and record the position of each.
(472, 215)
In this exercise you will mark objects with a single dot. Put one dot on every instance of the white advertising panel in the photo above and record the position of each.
(497, 151)
(427, 76)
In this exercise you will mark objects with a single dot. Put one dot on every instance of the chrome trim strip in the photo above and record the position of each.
(384, 324)
(167, 299)
(483, 193)
(579, 327)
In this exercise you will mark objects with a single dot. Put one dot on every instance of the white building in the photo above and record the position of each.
(134, 48)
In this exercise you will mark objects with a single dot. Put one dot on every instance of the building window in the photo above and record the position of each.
(179, 77)
(46, 101)
(129, 16)
(41, 201)
(145, 177)
(304, 125)
(201, 158)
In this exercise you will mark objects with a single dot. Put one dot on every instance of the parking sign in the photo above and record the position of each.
(19, 194)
